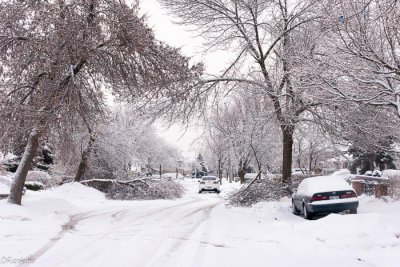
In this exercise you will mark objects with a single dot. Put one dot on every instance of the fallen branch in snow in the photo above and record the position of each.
(260, 190)
(255, 178)
(145, 188)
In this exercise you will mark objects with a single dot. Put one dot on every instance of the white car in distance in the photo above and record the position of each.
(209, 183)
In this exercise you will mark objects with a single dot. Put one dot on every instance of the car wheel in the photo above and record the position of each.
(217, 191)
(307, 215)
(353, 211)
(295, 211)
(200, 191)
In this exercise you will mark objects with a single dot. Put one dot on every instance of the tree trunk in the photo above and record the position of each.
(241, 173)
(287, 138)
(371, 159)
(85, 159)
(230, 172)
(219, 171)
(18, 184)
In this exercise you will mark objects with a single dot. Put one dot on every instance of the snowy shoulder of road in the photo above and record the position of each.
(74, 225)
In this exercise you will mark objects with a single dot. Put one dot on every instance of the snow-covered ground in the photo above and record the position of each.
(74, 225)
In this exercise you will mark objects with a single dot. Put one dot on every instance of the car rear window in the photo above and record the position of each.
(209, 178)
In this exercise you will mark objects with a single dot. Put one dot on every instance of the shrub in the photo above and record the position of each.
(38, 176)
(34, 186)
(44, 178)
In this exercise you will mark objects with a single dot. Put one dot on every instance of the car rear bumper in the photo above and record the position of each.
(336, 207)
(209, 189)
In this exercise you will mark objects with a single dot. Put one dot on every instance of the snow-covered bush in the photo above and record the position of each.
(145, 189)
(34, 186)
(10, 164)
(38, 176)
(43, 178)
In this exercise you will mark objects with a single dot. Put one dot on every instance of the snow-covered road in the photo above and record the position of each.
(75, 226)
(131, 236)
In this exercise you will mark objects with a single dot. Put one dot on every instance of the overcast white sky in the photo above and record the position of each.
(178, 36)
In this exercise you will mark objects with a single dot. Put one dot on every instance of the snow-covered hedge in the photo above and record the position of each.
(43, 178)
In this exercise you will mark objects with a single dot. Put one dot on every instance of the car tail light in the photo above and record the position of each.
(318, 197)
(202, 182)
(348, 194)
(216, 182)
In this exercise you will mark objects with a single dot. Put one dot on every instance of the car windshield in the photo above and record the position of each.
(209, 178)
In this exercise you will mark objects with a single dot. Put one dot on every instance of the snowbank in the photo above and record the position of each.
(5, 184)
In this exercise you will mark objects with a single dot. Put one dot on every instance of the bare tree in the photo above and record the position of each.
(312, 146)
(59, 57)
(245, 131)
(362, 51)
(270, 41)
(217, 143)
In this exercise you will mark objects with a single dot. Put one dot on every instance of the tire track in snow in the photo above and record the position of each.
(68, 226)
(182, 236)
(117, 217)
(160, 232)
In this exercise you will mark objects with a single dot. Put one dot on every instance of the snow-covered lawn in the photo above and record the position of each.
(74, 225)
